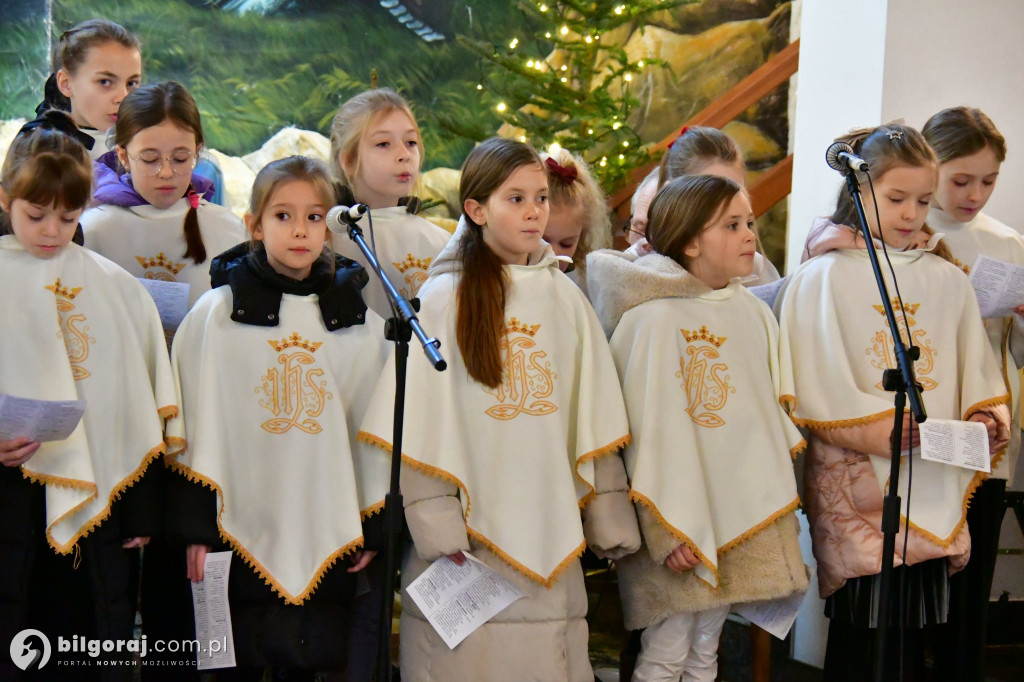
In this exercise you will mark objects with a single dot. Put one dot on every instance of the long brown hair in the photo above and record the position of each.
(483, 287)
(151, 105)
(682, 209)
(48, 168)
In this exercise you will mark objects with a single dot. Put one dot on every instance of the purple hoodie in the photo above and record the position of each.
(114, 189)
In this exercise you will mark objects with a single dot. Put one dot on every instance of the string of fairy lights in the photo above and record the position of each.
(582, 86)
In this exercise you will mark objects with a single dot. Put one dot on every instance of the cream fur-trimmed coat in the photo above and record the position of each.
(767, 564)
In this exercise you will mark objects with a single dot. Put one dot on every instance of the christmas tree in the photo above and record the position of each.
(569, 83)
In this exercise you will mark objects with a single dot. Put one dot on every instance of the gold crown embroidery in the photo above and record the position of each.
(74, 333)
(411, 262)
(909, 308)
(296, 392)
(526, 377)
(294, 341)
(515, 326)
(883, 355)
(705, 383)
(62, 291)
(160, 261)
(702, 334)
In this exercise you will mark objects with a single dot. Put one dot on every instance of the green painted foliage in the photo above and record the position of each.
(253, 75)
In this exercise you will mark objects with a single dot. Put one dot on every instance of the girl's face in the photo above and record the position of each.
(903, 193)
(110, 71)
(42, 230)
(292, 228)
(514, 216)
(725, 248)
(965, 184)
(160, 159)
(389, 161)
(565, 224)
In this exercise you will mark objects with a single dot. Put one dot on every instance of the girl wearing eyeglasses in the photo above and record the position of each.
(152, 216)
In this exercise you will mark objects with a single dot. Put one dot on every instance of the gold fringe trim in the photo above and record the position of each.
(935, 539)
(175, 446)
(91, 524)
(269, 579)
(788, 403)
(604, 451)
(375, 508)
(477, 535)
(797, 449)
(996, 457)
(250, 560)
(520, 568)
(789, 508)
(677, 534)
(844, 423)
(168, 411)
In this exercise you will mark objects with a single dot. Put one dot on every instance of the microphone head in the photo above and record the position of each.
(340, 217)
(832, 156)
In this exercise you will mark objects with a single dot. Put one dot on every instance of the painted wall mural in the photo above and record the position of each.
(259, 66)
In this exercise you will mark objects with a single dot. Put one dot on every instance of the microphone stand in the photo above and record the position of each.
(399, 328)
(902, 381)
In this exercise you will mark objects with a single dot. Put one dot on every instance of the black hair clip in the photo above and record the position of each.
(61, 122)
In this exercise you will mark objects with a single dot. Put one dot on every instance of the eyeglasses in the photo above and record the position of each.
(181, 162)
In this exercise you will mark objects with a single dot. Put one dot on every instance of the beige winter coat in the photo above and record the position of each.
(766, 565)
(547, 629)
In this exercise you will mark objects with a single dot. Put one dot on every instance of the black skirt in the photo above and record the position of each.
(924, 589)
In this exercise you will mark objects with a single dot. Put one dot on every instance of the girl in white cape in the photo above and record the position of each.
(970, 150)
(376, 154)
(504, 448)
(835, 344)
(152, 216)
(710, 463)
(273, 368)
(76, 328)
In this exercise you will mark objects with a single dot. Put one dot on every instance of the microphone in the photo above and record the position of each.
(839, 156)
(340, 217)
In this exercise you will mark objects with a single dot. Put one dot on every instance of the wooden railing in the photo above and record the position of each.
(773, 185)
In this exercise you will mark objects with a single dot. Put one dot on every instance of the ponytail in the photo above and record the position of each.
(194, 247)
(480, 308)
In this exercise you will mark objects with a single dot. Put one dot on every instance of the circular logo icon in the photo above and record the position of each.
(30, 649)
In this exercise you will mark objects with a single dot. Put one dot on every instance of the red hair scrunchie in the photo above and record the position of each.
(566, 175)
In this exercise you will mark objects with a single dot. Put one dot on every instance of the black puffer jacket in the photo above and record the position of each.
(267, 630)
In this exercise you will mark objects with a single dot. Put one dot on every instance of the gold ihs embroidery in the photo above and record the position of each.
(295, 393)
(415, 271)
(882, 345)
(705, 382)
(74, 333)
(160, 268)
(526, 377)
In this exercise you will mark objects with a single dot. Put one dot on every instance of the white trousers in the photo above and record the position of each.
(682, 647)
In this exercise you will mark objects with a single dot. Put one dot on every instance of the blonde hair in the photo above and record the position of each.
(48, 168)
(352, 121)
(581, 191)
